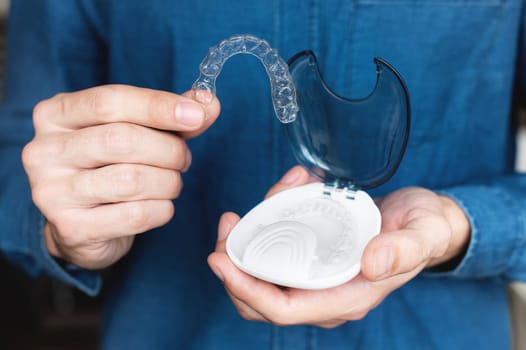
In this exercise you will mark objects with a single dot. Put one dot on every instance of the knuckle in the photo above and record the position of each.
(422, 251)
(359, 310)
(137, 216)
(119, 138)
(281, 322)
(40, 195)
(43, 110)
(91, 237)
(67, 235)
(425, 252)
(30, 154)
(410, 253)
(359, 315)
(41, 153)
(245, 314)
(102, 101)
(161, 105)
(286, 314)
(127, 180)
(84, 185)
(282, 319)
(68, 238)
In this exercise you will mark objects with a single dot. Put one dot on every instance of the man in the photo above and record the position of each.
(106, 161)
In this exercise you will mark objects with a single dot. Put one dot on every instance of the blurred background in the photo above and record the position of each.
(38, 314)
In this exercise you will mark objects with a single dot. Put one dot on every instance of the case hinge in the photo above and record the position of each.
(349, 190)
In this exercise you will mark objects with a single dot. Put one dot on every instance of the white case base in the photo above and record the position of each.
(309, 237)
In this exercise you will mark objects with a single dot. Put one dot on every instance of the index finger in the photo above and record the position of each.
(123, 103)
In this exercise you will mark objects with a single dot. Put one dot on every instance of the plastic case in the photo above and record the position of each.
(313, 236)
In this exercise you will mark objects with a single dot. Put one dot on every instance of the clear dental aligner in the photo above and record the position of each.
(282, 87)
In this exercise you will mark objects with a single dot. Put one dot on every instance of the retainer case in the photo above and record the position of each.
(313, 236)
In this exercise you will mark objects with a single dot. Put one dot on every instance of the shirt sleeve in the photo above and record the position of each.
(497, 213)
(51, 49)
(496, 210)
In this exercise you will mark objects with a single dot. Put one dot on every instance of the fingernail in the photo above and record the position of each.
(290, 177)
(217, 272)
(383, 262)
(204, 96)
(189, 114)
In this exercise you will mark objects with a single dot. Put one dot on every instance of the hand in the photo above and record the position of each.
(419, 229)
(105, 164)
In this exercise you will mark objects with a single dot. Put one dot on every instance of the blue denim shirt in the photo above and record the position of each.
(463, 62)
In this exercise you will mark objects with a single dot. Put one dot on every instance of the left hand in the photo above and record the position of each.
(419, 229)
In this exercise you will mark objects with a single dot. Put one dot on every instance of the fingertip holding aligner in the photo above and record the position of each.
(283, 91)
(203, 95)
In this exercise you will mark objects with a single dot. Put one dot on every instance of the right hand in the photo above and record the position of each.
(105, 164)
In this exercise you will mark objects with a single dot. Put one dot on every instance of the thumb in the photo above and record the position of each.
(394, 253)
(212, 108)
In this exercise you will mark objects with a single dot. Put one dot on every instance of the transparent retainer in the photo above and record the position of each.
(282, 88)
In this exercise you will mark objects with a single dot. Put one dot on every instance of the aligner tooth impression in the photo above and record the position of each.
(283, 249)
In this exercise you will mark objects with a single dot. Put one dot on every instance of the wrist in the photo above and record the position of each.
(460, 233)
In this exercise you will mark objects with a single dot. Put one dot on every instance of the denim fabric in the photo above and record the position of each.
(460, 60)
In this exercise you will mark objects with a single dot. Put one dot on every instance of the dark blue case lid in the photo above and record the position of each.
(348, 143)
